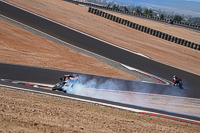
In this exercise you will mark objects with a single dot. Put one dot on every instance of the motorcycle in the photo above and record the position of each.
(179, 84)
(67, 86)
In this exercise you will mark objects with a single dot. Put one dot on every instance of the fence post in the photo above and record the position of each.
(166, 36)
(138, 28)
(194, 46)
(175, 39)
(172, 39)
(179, 40)
(144, 29)
(169, 37)
(198, 47)
(163, 35)
(89, 9)
(136, 25)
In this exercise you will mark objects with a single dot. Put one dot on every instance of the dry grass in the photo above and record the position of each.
(22, 112)
(24, 47)
(78, 17)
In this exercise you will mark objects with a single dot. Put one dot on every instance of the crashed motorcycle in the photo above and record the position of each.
(67, 86)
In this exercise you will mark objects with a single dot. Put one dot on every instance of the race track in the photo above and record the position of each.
(51, 76)
(45, 75)
(99, 47)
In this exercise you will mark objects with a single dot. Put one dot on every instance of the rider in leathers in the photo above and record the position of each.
(175, 80)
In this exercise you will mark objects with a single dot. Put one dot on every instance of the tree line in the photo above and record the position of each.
(149, 12)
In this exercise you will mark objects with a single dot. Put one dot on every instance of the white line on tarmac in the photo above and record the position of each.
(77, 30)
(86, 35)
(106, 104)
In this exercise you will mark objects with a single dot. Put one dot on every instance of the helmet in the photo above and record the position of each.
(65, 76)
(174, 76)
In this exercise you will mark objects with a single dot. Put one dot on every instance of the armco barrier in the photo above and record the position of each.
(122, 21)
(166, 36)
(119, 21)
(172, 39)
(186, 43)
(129, 13)
(150, 31)
(136, 26)
(130, 24)
(89, 10)
(108, 16)
(194, 46)
(125, 22)
(145, 29)
(156, 34)
(175, 39)
(141, 28)
(163, 35)
(198, 47)
(105, 15)
(182, 40)
(111, 17)
(97, 12)
(100, 13)
(191, 45)
(153, 32)
(160, 34)
(114, 17)
(179, 41)
(133, 25)
(169, 38)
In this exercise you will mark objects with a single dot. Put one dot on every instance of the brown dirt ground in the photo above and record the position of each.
(32, 113)
(24, 47)
(25, 113)
(78, 17)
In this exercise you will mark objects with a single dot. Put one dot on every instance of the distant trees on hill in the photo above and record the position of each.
(150, 12)
(195, 20)
(177, 18)
(162, 16)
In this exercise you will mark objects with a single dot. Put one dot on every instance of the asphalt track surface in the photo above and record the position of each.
(37, 74)
(191, 81)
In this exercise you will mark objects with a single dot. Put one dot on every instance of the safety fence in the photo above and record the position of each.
(145, 29)
(192, 26)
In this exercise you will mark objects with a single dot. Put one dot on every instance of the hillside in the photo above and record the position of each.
(28, 112)
(78, 17)
(178, 6)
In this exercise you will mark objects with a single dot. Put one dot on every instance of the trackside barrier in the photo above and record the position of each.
(145, 29)
(197, 27)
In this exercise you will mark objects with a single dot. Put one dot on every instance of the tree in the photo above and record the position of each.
(162, 17)
(177, 18)
(146, 12)
(114, 6)
(137, 11)
(125, 9)
(150, 13)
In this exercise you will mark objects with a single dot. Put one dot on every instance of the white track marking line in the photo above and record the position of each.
(86, 35)
(106, 104)
(77, 30)
(137, 70)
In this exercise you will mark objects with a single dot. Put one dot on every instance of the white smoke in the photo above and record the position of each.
(140, 94)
